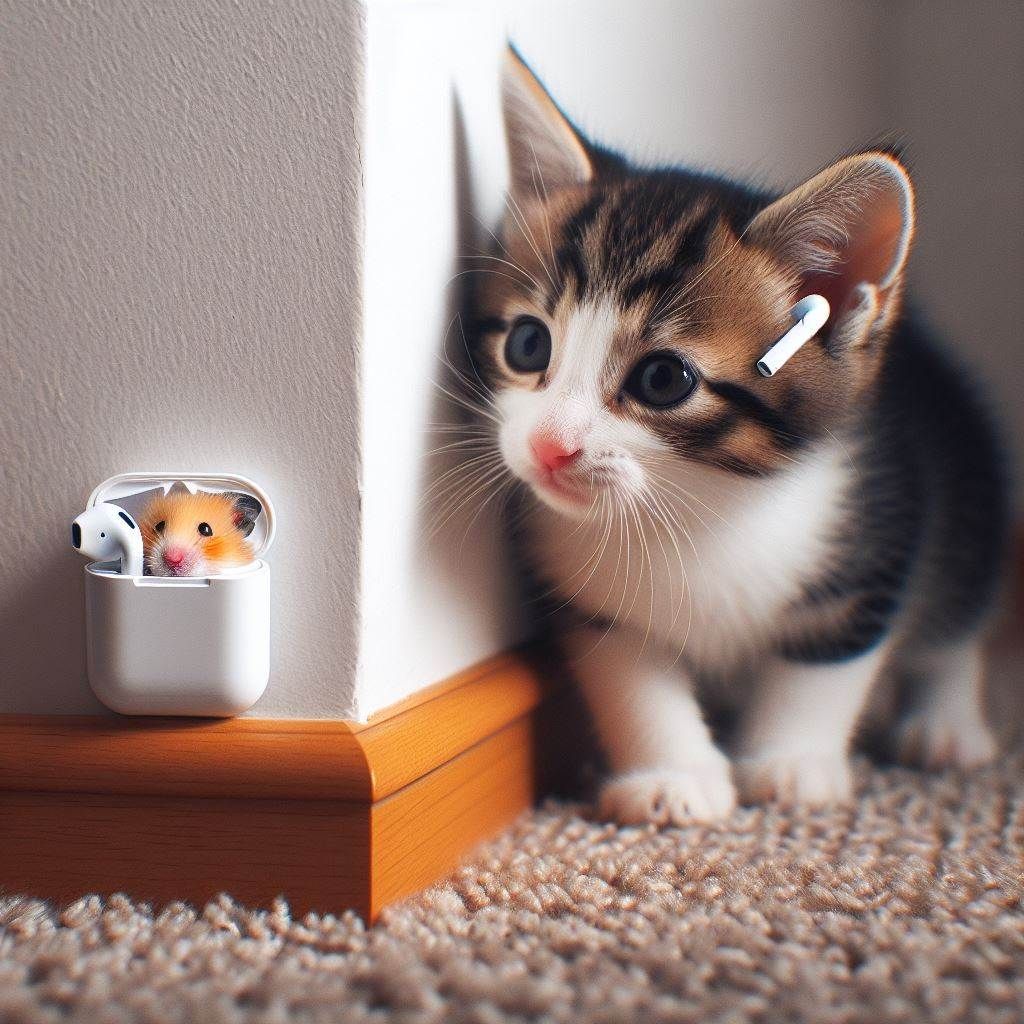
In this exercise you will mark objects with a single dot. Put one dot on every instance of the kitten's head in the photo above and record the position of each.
(621, 321)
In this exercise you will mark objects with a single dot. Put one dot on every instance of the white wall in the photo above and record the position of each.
(178, 219)
(435, 587)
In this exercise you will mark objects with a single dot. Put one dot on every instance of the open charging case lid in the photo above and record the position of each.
(133, 491)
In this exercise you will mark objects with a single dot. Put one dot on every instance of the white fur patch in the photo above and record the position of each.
(571, 408)
(711, 578)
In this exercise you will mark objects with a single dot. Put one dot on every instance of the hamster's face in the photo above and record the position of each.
(194, 535)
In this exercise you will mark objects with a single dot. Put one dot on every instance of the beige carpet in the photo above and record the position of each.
(907, 907)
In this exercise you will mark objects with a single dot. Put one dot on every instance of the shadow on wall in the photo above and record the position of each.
(43, 632)
(471, 506)
(467, 494)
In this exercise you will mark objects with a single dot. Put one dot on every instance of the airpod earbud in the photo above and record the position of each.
(810, 315)
(105, 532)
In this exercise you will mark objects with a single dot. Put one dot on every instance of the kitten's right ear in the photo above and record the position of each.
(545, 151)
(846, 233)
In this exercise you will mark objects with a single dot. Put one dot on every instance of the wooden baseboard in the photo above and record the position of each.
(329, 814)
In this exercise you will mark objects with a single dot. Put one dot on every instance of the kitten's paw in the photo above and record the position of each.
(796, 780)
(665, 796)
(931, 739)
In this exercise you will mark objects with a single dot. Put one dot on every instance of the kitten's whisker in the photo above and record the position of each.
(486, 391)
(466, 403)
(615, 572)
(645, 551)
(543, 203)
(520, 219)
(480, 389)
(623, 531)
(484, 270)
(461, 468)
(473, 429)
(606, 520)
(485, 481)
(508, 263)
(685, 593)
(502, 485)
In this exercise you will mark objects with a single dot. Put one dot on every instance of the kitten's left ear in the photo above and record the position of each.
(846, 234)
(545, 151)
(246, 511)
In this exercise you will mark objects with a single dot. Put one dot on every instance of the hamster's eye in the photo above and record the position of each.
(528, 346)
(160, 526)
(206, 529)
(102, 534)
(661, 380)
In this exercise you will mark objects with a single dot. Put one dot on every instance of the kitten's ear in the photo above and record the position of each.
(545, 151)
(846, 233)
(246, 511)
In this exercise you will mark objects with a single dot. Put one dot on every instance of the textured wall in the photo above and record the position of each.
(179, 287)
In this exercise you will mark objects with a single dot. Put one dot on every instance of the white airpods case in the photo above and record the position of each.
(179, 645)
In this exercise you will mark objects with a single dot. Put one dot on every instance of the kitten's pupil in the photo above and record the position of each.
(661, 380)
(659, 377)
(528, 347)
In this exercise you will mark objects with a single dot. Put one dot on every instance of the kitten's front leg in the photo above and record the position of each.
(796, 732)
(666, 768)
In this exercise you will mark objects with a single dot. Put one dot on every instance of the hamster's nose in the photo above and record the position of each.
(76, 535)
(173, 557)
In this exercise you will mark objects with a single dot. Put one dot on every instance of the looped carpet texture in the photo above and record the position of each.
(907, 906)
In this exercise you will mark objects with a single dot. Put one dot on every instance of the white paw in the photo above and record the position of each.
(665, 796)
(795, 780)
(932, 739)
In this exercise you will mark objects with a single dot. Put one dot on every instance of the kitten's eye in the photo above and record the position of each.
(661, 380)
(206, 529)
(160, 526)
(528, 346)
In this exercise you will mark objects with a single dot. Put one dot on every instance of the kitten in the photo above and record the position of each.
(792, 545)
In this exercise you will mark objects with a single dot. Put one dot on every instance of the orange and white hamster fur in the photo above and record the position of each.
(199, 534)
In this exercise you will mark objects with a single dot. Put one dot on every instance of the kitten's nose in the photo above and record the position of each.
(552, 453)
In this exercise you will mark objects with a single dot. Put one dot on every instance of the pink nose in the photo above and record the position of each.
(552, 454)
(173, 557)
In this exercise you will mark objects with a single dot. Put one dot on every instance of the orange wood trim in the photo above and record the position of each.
(329, 814)
(268, 758)
(421, 832)
(412, 743)
(239, 757)
(63, 845)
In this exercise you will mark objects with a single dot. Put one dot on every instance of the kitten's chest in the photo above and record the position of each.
(705, 575)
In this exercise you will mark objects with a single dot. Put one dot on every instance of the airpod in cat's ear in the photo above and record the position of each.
(810, 314)
(106, 532)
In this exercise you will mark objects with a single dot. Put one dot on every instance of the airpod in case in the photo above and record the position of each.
(179, 645)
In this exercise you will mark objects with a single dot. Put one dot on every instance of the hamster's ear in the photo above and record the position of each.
(246, 511)
(845, 234)
(545, 151)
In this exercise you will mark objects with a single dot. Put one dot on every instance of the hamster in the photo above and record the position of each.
(199, 534)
